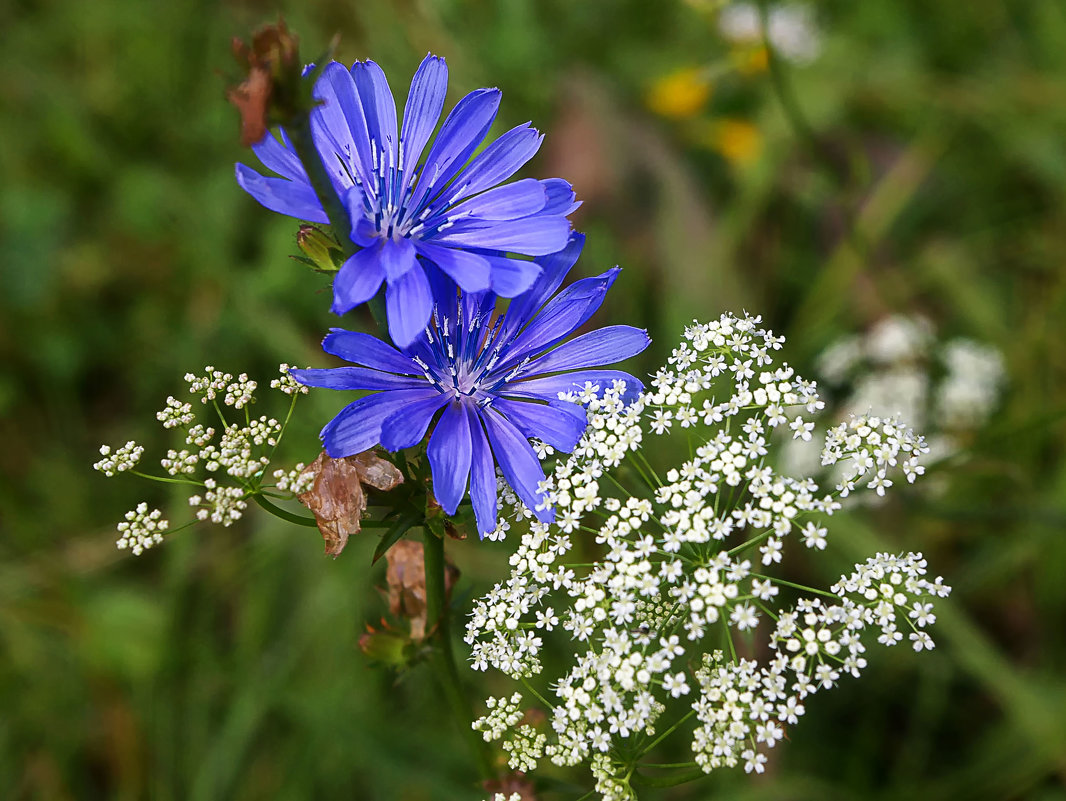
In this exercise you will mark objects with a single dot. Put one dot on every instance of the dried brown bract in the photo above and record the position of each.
(338, 496)
(406, 578)
(272, 62)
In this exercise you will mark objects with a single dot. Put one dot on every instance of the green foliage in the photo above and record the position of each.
(224, 665)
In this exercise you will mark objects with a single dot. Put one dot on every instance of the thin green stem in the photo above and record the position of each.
(221, 417)
(438, 615)
(644, 476)
(844, 174)
(539, 697)
(284, 425)
(668, 765)
(669, 731)
(668, 781)
(750, 543)
(610, 477)
(647, 464)
(795, 586)
(790, 105)
(277, 511)
(165, 480)
(728, 632)
(300, 136)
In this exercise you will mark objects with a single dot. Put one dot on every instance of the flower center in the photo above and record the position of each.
(461, 354)
(390, 203)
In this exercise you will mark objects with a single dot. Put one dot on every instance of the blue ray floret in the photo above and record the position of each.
(492, 383)
(408, 218)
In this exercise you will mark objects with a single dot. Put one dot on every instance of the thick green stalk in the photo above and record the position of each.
(300, 135)
(437, 612)
(302, 143)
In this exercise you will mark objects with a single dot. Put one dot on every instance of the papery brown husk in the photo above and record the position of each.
(406, 579)
(337, 497)
(273, 64)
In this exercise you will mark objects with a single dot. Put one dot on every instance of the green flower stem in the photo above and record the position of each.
(795, 586)
(842, 173)
(281, 433)
(677, 724)
(165, 480)
(304, 520)
(671, 780)
(437, 612)
(669, 765)
(300, 135)
(750, 543)
(277, 511)
(537, 695)
(302, 143)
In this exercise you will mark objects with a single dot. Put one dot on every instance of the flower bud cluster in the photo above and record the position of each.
(141, 529)
(237, 393)
(675, 567)
(297, 481)
(125, 458)
(287, 384)
(175, 413)
(183, 462)
(524, 745)
(223, 473)
(209, 385)
(236, 451)
(222, 505)
(240, 393)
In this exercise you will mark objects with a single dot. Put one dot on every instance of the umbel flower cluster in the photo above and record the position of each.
(223, 467)
(668, 589)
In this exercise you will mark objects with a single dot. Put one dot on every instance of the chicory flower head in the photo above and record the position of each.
(408, 218)
(497, 380)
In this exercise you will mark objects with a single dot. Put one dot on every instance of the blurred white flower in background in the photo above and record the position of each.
(791, 29)
(946, 390)
(970, 392)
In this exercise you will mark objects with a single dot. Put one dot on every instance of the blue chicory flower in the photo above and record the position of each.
(410, 219)
(497, 380)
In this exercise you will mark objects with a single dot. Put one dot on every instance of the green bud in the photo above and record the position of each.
(320, 249)
(389, 648)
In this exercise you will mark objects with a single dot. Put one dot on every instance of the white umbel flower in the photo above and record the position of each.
(686, 556)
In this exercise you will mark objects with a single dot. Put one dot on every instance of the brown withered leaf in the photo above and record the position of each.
(273, 64)
(337, 498)
(252, 98)
(406, 579)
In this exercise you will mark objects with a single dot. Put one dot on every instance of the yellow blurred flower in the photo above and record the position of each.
(751, 60)
(680, 94)
(738, 141)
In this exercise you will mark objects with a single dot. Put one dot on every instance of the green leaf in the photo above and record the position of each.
(404, 523)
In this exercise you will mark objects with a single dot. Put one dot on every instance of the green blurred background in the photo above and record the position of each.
(922, 169)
